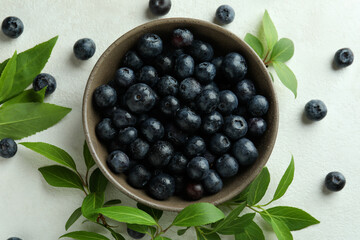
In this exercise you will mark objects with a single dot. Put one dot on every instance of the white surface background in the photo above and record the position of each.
(32, 210)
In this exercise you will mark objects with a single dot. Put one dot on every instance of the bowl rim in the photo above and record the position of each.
(87, 101)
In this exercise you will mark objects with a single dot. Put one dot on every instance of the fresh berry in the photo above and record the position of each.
(149, 45)
(164, 63)
(189, 89)
(160, 154)
(212, 122)
(207, 101)
(84, 48)
(198, 168)
(118, 162)
(182, 38)
(12, 27)
(225, 14)
(134, 234)
(174, 135)
(245, 90)
(245, 152)
(343, 58)
(105, 130)
(122, 118)
(160, 7)
(335, 181)
(152, 130)
(235, 127)
(148, 75)
(132, 60)
(45, 80)
(228, 102)
(161, 187)
(184, 66)
(187, 119)
(169, 105)
(195, 146)
(217, 63)
(138, 176)
(227, 166)
(127, 135)
(105, 96)
(178, 163)
(256, 126)
(315, 110)
(194, 191)
(201, 51)
(258, 106)
(140, 98)
(212, 183)
(138, 149)
(167, 85)
(8, 148)
(124, 77)
(234, 67)
(205, 72)
(219, 144)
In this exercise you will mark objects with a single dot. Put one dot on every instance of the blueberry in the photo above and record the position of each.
(225, 14)
(219, 144)
(227, 166)
(212, 183)
(127, 135)
(174, 135)
(182, 38)
(189, 89)
(194, 191)
(105, 130)
(217, 63)
(228, 102)
(160, 7)
(148, 75)
(235, 127)
(12, 27)
(195, 146)
(184, 66)
(161, 187)
(180, 184)
(84, 48)
(104, 96)
(258, 106)
(177, 164)
(335, 181)
(122, 118)
(46, 80)
(118, 162)
(187, 120)
(201, 51)
(207, 101)
(245, 90)
(257, 127)
(167, 85)
(211, 86)
(138, 149)
(169, 105)
(132, 60)
(140, 98)
(134, 234)
(138, 176)
(160, 154)
(8, 148)
(234, 67)
(315, 110)
(165, 63)
(149, 45)
(205, 72)
(198, 168)
(152, 130)
(209, 157)
(212, 122)
(245, 152)
(124, 77)
(343, 58)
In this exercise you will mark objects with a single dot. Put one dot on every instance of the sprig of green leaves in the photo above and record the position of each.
(274, 52)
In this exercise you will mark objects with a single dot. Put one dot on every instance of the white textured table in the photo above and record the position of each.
(32, 210)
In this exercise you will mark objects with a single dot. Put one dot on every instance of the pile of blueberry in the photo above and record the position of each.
(177, 119)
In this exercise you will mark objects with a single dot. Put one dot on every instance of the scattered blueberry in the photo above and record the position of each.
(245, 152)
(235, 127)
(189, 88)
(245, 90)
(134, 234)
(258, 106)
(167, 85)
(138, 149)
(187, 119)
(84, 48)
(140, 98)
(104, 96)
(343, 57)
(315, 110)
(207, 101)
(127, 135)
(194, 191)
(257, 126)
(234, 67)
(149, 45)
(198, 168)
(205, 72)
(178, 163)
(118, 162)
(160, 7)
(105, 130)
(124, 77)
(201, 51)
(182, 38)
(138, 176)
(148, 75)
(225, 14)
(335, 181)
(227, 166)
(132, 60)
(161, 187)
(160, 154)
(212, 122)
(212, 183)
(45, 80)
(8, 148)
(228, 102)
(169, 105)
(184, 66)
(12, 27)
(122, 118)
(195, 146)
(219, 144)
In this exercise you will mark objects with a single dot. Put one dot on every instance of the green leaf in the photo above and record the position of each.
(251, 232)
(128, 215)
(258, 187)
(270, 32)
(229, 218)
(91, 202)
(155, 213)
(182, 231)
(98, 182)
(241, 197)
(272, 77)
(112, 202)
(58, 176)
(73, 218)
(294, 218)
(116, 235)
(24, 119)
(198, 214)
(281, 230)
(51, 152)
(283, 50)
(286, 76)
(138, 228)
(237, 225)
(255, 44)
(26, 96)
(206, 234)
(82, 235)
(7, 77)
(162, 238)
(29, 65)
(285, 181)
(89, 161)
